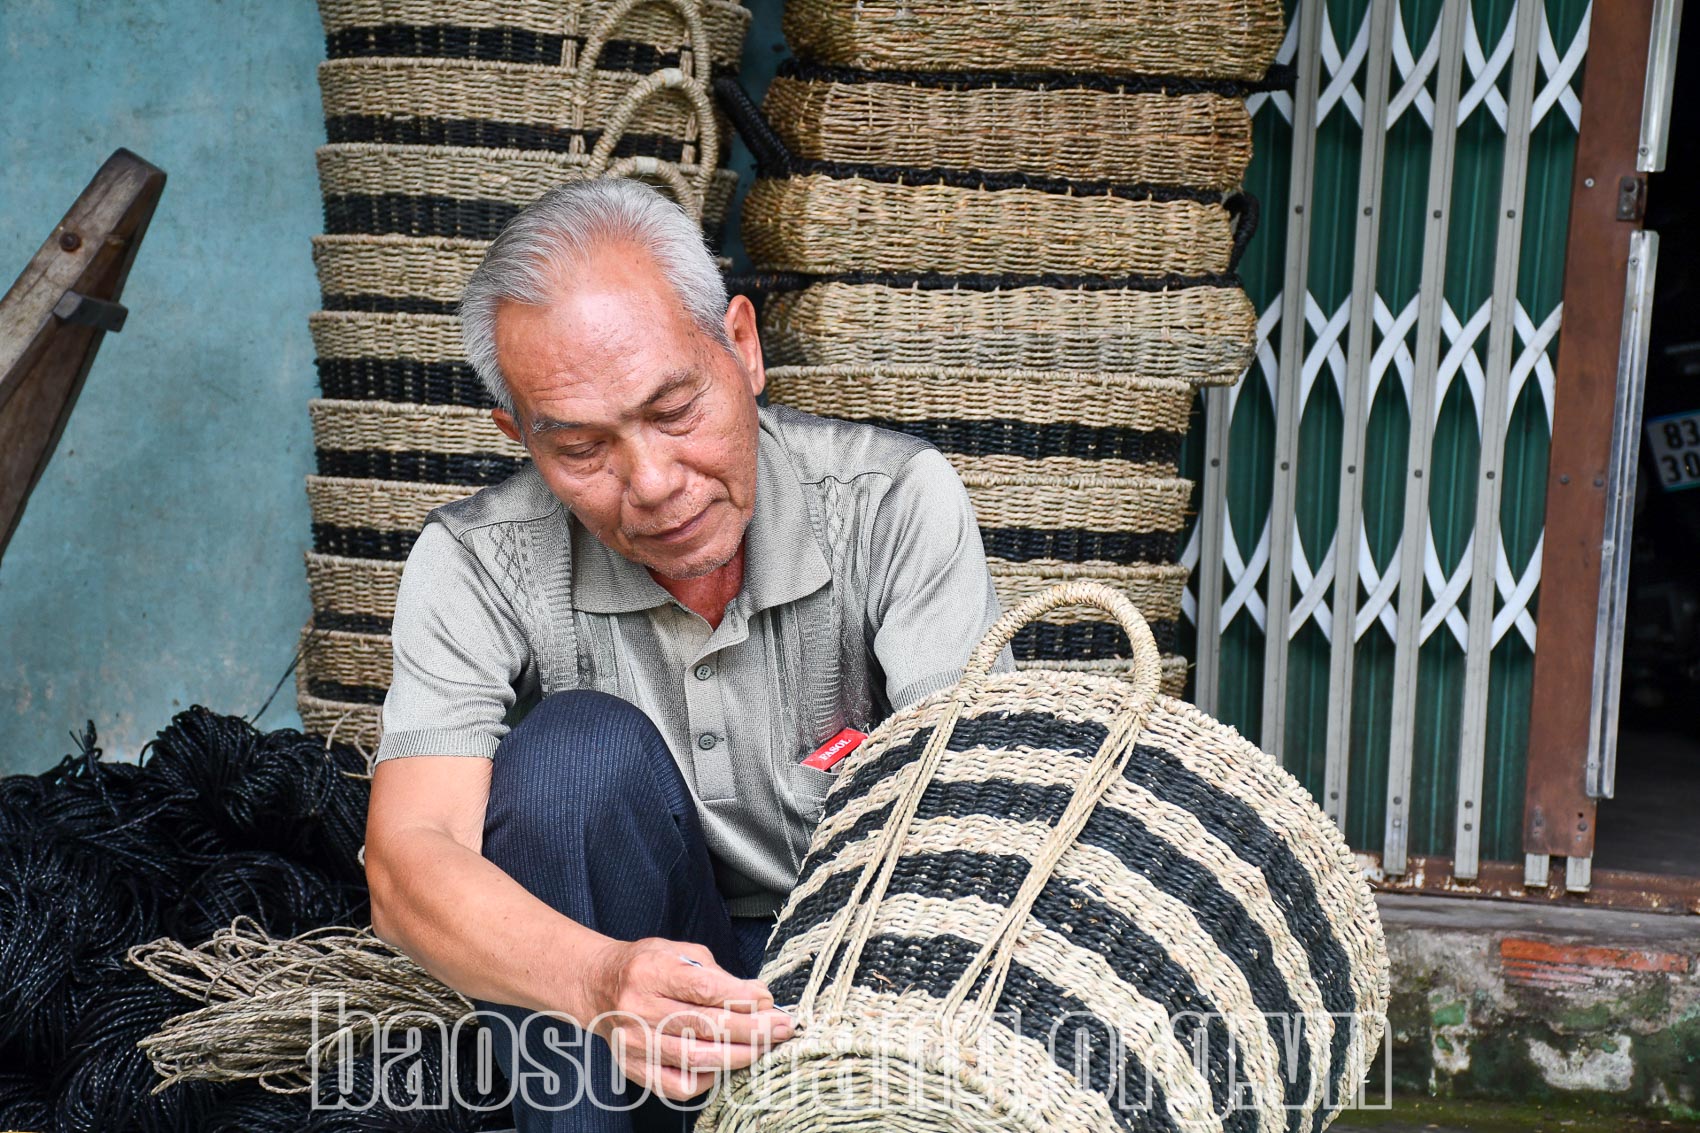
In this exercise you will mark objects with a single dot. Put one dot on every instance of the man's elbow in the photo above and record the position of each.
(382, 897)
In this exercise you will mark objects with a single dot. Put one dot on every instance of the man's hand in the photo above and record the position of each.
(675, 1018)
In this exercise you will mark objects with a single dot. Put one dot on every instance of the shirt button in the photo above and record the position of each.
(704, 671)
(706, 742)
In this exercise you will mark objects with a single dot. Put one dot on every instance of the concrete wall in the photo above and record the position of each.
(159, 562)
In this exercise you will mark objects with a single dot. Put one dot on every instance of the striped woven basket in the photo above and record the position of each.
(458, 191)
(1219, 39)
(1006, 421)
(864, 218)
(1058, 902)
(1081, 127)
(525, 31)
(1105, 519)
(394, 357)
(1203, 334)
(560, 105)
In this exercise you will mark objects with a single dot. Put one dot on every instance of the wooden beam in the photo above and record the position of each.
(54, 316)
(1558, 815)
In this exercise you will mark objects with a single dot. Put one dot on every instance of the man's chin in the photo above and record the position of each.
(687, 566)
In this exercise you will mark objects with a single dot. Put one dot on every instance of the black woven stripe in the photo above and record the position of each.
(492, 44)
(348, 694)
(1084, 641)
(993, 729)
(403, 380)
(1074, 913)
(350, 623)
(471, 469)
(385, 213)
(388, 304)
(1035, 440)
(769, 282)
(1279, 77)
(479, 133)
(1043, 1012)
(362, 542)
(1244, 831)
(991, 181)
(1023, 544)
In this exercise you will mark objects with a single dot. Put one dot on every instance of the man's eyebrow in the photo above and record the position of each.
(684, 376)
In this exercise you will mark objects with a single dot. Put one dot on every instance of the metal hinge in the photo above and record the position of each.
(1631, 198)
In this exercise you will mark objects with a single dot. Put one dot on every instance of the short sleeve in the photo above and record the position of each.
(931, 597)
(459, 655)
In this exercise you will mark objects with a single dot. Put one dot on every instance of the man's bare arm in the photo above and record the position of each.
(464, 920)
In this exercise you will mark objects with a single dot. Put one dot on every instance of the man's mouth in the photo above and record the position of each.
(682, 532)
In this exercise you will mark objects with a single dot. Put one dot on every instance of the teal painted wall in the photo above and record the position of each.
(159, 563)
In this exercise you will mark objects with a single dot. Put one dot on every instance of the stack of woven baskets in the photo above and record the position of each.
(444, 119)
(1014, 234)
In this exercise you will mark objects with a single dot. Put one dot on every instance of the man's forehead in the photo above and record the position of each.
(678, 382)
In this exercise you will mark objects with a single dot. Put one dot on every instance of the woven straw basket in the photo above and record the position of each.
(1110, 519)
(471, 102)
(394, 357)
(1006, 224)
(458, 191)
(1229, 39)
(1006, 420)
(524, 31)
(1205, 335)
(1081, 127)
(1057, 902)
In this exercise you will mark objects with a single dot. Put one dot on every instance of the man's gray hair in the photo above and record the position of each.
(525, 263)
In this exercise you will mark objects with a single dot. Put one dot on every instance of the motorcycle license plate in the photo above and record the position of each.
(1674, 443)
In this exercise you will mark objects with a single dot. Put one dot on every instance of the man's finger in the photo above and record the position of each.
(718, 1025)
(713, 986)
(703, 1055)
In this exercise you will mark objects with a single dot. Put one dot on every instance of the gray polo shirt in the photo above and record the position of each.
(865, 588)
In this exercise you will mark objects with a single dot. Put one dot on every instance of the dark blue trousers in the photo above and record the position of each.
(588, 812)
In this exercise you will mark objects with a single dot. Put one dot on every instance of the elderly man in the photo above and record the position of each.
(590, 798)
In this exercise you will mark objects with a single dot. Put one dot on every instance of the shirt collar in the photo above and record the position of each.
(782, 558)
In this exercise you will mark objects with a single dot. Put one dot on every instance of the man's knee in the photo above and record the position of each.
(579, 759)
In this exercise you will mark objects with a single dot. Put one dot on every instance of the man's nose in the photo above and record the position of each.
(652, 475)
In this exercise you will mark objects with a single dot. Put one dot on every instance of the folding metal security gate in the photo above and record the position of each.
(1416, 188)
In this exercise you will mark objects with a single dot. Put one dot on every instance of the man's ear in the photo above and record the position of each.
(742, 333)
(505, 422)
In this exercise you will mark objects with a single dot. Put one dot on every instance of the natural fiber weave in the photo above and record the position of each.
(434, 269)
(1202, 335)
(1172, 682)
(390, 427)
(1080, 133)
(359, 724)
(382, 504)
(1006, 420)
(352, 591)
(279, 1010)
(1235, 39)
(472, 193)
(394, 357)
(1056, 901)
(528, 31)
(825, 225)
(1079, 518)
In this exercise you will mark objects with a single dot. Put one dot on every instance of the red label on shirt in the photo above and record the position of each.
(835, 749)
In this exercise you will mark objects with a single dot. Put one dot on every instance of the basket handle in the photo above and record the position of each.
(766, 146)
(702, 63)
(1243, 210)
(671, 79)
(1147, 661)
